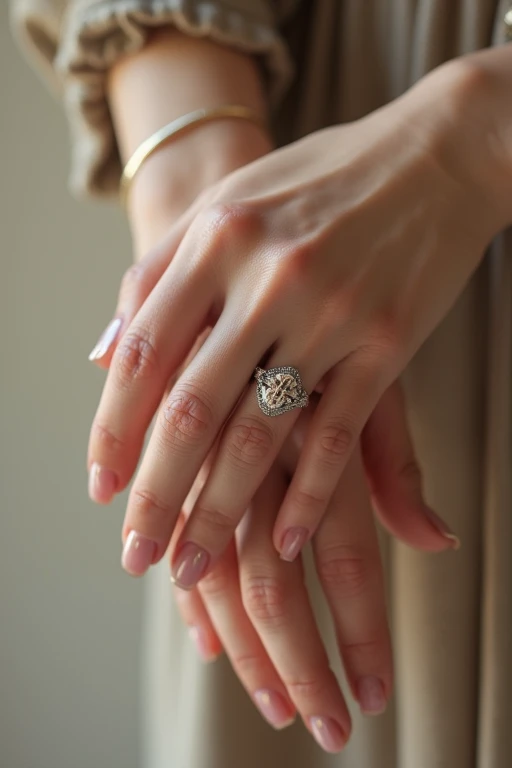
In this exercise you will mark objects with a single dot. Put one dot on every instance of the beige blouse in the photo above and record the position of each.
(75, 42)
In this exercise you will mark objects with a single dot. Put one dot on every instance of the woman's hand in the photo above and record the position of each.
(322, 256)
(256, 607)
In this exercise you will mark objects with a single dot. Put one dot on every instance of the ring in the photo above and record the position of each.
(280, 390)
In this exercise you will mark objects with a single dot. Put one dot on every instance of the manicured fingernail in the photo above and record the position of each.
(293, 541)
(274, 708)
(106, 339)
(200, 640)
(440, 525)
(138, 553)
(190, 566)
(102, 483)
(328, 733)
(371, 695)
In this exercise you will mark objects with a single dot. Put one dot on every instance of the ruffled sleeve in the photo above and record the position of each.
(74, 43)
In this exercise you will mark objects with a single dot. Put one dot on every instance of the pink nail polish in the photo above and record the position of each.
(200, 640)
(371, 695)
(274, 708)
(102, 484)
(327, 733)
(138, 553)
(189, 566)
(292, 543)
(106, 339)
(440, 526)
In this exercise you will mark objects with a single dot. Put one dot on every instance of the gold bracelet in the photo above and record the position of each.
(169, 131)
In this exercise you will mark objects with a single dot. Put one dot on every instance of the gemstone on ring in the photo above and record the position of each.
(279, 390)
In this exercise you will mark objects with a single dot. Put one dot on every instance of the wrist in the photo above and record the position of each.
(464, 111)
(170, 180)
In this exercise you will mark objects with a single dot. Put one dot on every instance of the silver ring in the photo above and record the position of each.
(280, 390)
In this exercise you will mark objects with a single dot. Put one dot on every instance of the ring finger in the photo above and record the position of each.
(277, 603)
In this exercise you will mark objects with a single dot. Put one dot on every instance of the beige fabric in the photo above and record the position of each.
(451, 613)
(76, 42)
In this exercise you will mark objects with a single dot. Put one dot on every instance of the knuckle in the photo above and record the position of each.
(303, 499)
(217, 584)
(132, 278)
(230, 221)
(247, 666)
(145, 504)
(215, 521)
(363, 653)
(249, 442)
(266, 600)
(345, 569)
(336, 440)
(185, 418)
(135, 357)
(307, 688)
(386, 334)
(105, 441)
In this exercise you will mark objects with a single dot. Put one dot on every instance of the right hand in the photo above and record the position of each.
(244, 607)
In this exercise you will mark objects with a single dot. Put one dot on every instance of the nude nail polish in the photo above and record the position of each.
(292, 543)
(106, 339)
(138, 553)
(102, 483)
(190, 565)
(327, 733)
(371, 695)
(274, 708)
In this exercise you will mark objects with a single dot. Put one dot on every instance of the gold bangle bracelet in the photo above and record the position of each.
(176, 127)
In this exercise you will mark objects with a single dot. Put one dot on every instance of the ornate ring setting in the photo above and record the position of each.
(280, 390)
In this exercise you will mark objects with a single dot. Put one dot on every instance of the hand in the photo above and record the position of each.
(274, 261)
(256, 607)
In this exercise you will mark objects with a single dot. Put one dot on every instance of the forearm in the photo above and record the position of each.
(172, 75)
(468, 101)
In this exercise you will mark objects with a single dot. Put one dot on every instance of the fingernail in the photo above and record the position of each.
(102, 483)
(292, 543)
(371, 695)
(106, 339)
(200, 640)
(440, 526)
(190, 566)
(328, 733)
(138, 553)
(274, 708)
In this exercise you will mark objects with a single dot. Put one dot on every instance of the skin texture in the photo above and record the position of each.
(310, 257)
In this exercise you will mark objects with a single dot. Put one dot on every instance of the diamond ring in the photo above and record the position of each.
(280, 390)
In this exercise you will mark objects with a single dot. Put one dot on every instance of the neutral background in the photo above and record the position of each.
(69, 617)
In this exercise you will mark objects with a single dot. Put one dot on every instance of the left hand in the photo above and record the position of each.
(257, 608)
(324, 256)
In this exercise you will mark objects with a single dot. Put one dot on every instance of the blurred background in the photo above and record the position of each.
(69, 631)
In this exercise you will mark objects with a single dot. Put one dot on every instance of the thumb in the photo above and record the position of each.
(395, 478)
(137, 283)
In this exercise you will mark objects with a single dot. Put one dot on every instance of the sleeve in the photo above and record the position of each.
(73, 43)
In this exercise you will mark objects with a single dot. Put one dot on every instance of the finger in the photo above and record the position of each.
(200, 627)
(186, 428)
(147, 355)
(334, 430)
(396, 480)
(276, 601)
(137, 283)
(248, 446)
(221, 595)
(349, 567)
